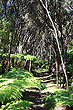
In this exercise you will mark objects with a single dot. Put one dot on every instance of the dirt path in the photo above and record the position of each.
(37, 96)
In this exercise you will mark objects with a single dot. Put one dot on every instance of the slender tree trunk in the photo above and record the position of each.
(65, 51)
(13, 62)
(16, 64)
(20, 48)
(9, 52)
(56, 37)
(72, 71)
(30, 66)
(60, 74)
(57, 71)
(3, 68)
(63, 80)
(50, 66)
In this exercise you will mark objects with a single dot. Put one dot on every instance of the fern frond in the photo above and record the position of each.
(16, 105)
(12, 84)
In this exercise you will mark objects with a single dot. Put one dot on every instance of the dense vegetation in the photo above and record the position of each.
(13, 84)
(35, 38)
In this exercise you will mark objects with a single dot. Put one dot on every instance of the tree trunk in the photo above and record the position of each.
(20, 48)
(30, 66)
(50, 66)
(3, 68)
(60, 74)
(9, 52)
(65, 51)
(63, 80)
(13, 62)
(72, 71)
(56, 37)
(57, 71)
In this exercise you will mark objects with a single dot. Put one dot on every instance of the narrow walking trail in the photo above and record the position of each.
(37, 96)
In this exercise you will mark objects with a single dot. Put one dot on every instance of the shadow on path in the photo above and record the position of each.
(37, 96)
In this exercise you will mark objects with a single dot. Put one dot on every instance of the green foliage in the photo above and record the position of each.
(70, 57)
(70, 53)
(39, 61)
(69, 68)
(71, 45)
(10, 89)
(5, 34)
(5, 55)
(62, 96)
(16, 105)
(1, 52)
(13, 83)
(27, 57)
(23, 56)
(17, 73)
(69, 60)
(44, 65)
(50, 102)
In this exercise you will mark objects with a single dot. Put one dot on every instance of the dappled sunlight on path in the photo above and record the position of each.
(38, 96)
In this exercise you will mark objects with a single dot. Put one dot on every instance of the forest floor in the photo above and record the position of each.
(37, 96)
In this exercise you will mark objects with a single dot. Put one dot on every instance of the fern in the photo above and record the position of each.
(27, 57)
(10, 89)
(19, 74)
(16, 105)
(23, 56)
(12, 84)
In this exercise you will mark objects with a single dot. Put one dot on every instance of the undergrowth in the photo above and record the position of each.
(17, 105)
(62, 96)
(13, 83)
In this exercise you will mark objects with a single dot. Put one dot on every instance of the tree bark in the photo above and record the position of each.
(56, 37)
(13, 62)
(57, 71)
(30, 66)
(20, 48)
(72, 71)
(9, 52)
(60, 73)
